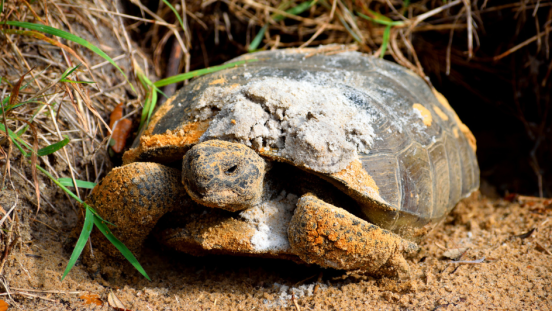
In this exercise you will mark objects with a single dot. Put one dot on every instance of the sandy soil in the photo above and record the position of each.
(507, 265)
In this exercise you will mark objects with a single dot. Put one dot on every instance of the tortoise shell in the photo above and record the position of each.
(420, 163)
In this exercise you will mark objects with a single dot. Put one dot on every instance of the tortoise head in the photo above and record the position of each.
(226, 175)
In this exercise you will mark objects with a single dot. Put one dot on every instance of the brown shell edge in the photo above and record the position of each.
(463, 128)
(167, 147)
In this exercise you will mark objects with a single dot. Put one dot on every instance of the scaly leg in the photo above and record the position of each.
(331, 237)
(134, 197)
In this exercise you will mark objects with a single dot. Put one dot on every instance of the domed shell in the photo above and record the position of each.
(420, 160)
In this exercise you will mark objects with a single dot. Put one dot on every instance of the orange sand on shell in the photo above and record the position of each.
(426, 114)
(356, 178)
(463, 127)
(186, 135)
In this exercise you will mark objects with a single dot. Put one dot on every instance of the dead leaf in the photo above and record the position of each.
(115, 303)
(455, 253)
(3, 305)
(511, 197)
(91, 299)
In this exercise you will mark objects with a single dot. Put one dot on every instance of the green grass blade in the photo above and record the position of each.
(68, 182)
(7, 98)
(385, 42)
(101, 224)
(16, 139)
(68, 36)
(257, 40)
(175, 13)
(8, 108)
(26, 127)
(81, 242)
(379, 16)
(386, 21)
(148, 105)
(53, 147)
(151, 97)
(69, 71)
(19, 147)
(15, 143)
(196, 73)
(120, 246)
(71, 194)
(153, 103)
(296, 10)
(1, 6)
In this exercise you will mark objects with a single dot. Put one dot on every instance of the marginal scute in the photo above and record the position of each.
(441, 180)
(469, 136)
(187, 135)
(384, 171)
(440, 113)
(442, 99)
(167, 106)
(356, 177)
(455, 175)
(425, 114)
(417, 186)
(463, 128)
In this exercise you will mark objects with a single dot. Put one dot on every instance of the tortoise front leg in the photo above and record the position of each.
(331, 237)
(134, 197)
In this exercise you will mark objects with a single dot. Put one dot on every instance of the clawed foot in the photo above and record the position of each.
(331, 237)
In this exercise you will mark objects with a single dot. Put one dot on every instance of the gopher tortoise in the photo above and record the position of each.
(338, 159)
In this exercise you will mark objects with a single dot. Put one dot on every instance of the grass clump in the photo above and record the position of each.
(9, 103)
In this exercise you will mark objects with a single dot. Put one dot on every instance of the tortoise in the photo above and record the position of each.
(341, 159)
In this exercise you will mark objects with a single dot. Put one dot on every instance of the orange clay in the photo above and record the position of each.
(120, 134)
(91, 299)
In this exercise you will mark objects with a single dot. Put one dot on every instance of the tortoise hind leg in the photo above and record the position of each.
(331, 237)
(134, 197)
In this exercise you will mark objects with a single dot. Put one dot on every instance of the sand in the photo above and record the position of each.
(504, 268)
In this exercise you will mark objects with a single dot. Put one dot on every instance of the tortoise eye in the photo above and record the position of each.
(231, 170)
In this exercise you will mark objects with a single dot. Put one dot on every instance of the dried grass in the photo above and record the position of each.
(47, 109)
